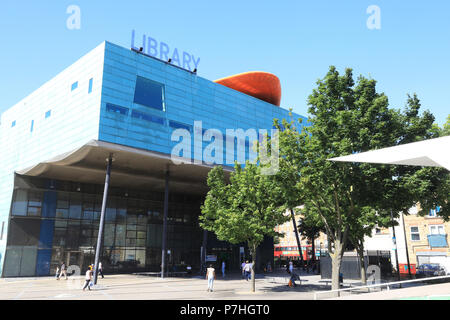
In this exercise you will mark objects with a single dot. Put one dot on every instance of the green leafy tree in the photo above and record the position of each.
(363, 227)
(446, 128)
(310, 228)
(433, 185)
(348, 118)
(245, 210)
(287, 175)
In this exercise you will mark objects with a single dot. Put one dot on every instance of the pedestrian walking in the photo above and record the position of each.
(57, 273)
(269, 267)
(223, 269)
(100, 269)
(243, 269)
(63, 270)
(291, 267)
(248, 269)
(88, 279)
(210, 276)
(294, 276)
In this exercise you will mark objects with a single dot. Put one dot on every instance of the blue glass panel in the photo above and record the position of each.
(13, 124)
(43, 262)
(149, 93)
(113, 108)
(74, 85)
(46, 234)
(91, 81)
(48, 114)
(178, 125)
(32, 126)
(147, 117)
(49, 204)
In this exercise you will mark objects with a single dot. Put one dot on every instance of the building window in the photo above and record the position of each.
(32, 126)
(3, 229)
(147, 117)
(117, 109)
(13, 124)
(434, 212)
(415, 235)
(437, 229)
(91, 82)
(48, 114)
(149, 93)
(178, 125)
(74, 85)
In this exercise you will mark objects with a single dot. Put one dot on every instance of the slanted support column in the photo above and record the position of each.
(164, 233)
(102, 216)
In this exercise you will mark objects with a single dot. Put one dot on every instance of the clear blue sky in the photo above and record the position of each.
(296, 40)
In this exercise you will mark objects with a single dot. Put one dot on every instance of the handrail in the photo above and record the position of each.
(387, 284)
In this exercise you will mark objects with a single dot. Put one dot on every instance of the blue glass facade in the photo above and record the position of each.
(178, 96)
(122, 97)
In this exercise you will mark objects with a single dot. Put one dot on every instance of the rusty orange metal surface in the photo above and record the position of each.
(262, 85)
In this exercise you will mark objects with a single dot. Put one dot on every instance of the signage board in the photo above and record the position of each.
(211, 258)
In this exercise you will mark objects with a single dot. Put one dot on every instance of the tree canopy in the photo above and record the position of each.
(245, 210)
(346, 118)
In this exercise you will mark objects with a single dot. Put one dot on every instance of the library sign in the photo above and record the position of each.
(162, 51)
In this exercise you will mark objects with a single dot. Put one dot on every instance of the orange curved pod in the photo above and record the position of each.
(262, 85)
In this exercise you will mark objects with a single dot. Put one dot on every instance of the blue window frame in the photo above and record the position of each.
(48, 114)
(178, 125)
(13, 124)
(149, 93)
(147, 117)
(74, 85)
(91, 82)
(32, 126)
(117, 109)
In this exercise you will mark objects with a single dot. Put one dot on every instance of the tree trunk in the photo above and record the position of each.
(296, 235)
(336, 260)
(313, 247)
(360, 249)
(253, 267)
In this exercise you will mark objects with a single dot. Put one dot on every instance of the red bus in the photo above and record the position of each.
(292, 253)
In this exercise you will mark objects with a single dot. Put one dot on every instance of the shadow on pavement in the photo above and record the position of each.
(298, 288)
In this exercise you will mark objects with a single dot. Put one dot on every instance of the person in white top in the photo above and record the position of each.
(248, 269)
(210, 276)
(88, 279)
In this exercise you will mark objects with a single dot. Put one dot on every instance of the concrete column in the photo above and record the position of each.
(164, 233)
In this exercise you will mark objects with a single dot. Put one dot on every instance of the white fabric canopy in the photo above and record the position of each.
(427, 153)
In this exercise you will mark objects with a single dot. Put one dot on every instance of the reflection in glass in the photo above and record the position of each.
(75, 207)
(20, 203)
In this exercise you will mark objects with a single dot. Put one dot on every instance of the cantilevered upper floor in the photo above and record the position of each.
(124, 97)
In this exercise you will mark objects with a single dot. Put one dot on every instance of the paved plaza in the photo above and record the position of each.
(138, 287)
